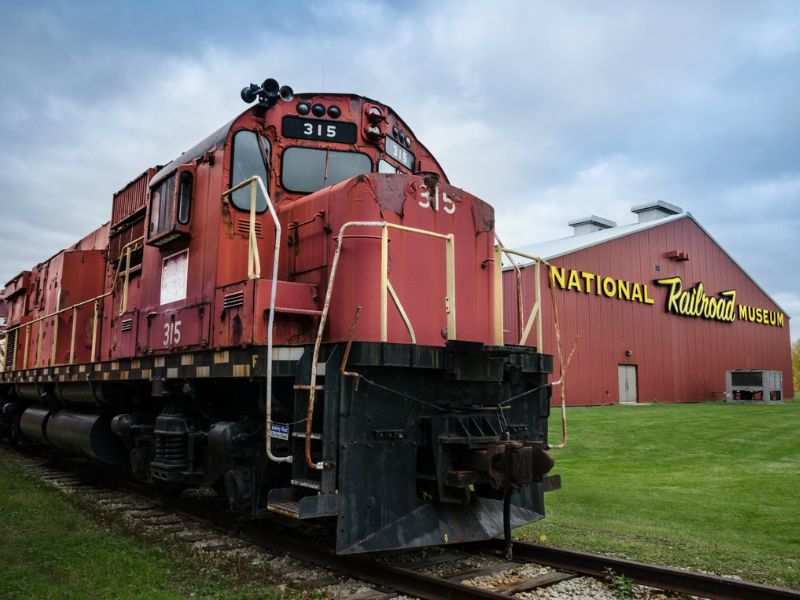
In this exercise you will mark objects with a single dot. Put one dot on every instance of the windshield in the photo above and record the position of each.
(310, 169)
(248, 160)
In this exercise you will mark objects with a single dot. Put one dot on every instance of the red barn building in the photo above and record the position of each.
(662, 310)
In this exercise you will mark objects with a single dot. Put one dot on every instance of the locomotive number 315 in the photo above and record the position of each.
(172, 333)
(328, 131)
(434, 201)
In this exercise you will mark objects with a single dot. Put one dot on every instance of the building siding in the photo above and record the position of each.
(678, 358)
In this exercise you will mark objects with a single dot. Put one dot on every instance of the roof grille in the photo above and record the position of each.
(233, 300)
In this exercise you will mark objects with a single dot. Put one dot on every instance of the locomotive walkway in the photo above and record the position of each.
(436, 574)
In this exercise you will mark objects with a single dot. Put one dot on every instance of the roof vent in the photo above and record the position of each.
(650, 211)
(590, 224)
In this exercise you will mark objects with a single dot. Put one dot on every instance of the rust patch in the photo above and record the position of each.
(390, 192)
(355, 188)
(483, 215)
(227, 220)
(236, 333)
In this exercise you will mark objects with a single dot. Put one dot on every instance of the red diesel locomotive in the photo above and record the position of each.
(303, 313)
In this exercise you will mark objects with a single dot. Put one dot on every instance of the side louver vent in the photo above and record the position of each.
(127, 325)
(11, 350)
(243, 228)
(233, 300)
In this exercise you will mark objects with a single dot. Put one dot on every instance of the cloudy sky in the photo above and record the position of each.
(548, 110)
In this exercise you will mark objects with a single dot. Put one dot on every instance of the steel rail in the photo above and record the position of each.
(666, 578)
(397, 578)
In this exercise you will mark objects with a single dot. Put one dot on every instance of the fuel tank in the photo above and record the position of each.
(79, 434)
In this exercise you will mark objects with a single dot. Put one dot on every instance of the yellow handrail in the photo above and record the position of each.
(386, 286)
(536, 310)
(253, 258)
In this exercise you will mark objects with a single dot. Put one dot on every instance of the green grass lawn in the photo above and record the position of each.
(49, 549)
(706, 486)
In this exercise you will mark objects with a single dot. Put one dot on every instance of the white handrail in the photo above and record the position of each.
(255, 273)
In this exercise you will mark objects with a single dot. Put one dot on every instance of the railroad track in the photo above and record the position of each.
(481, 565)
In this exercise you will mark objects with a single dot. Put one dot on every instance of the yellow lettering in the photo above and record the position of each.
(647, 298)
(588, 278)
(624, 289)
(709, 308)
(685, 304)
(610, 287)
(742, 312)
(699, 300)
(730, 305)
(557, 277)
(636, 293)
(751, 313)
(574, 282)
(675, 289)
(695, 302)
(597, 285)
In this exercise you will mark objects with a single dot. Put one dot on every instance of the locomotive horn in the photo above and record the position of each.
(270, 88)
(249, 93)
(286, 93)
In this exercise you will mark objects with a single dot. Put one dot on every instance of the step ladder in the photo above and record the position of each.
(312, 493)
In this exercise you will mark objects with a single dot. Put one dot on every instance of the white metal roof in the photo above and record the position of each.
(562, 246)
(573, 243)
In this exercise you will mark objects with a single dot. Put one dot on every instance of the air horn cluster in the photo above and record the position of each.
(267, 93)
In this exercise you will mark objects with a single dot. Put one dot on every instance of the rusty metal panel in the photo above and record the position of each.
(81, 278)
(678, 358)
(18, 284)
(183, 327)
(120, 334)
(96, 240)
(131, 199)
(297, 310)
(233, 322)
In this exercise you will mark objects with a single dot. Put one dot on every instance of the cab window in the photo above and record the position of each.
(307, 170)
(162, 206)
(385, 167)
(249, 156)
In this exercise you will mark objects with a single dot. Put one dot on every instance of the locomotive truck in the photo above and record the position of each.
(301, 312)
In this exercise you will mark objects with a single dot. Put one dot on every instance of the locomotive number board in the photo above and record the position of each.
(400, 154)
(316, 129)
